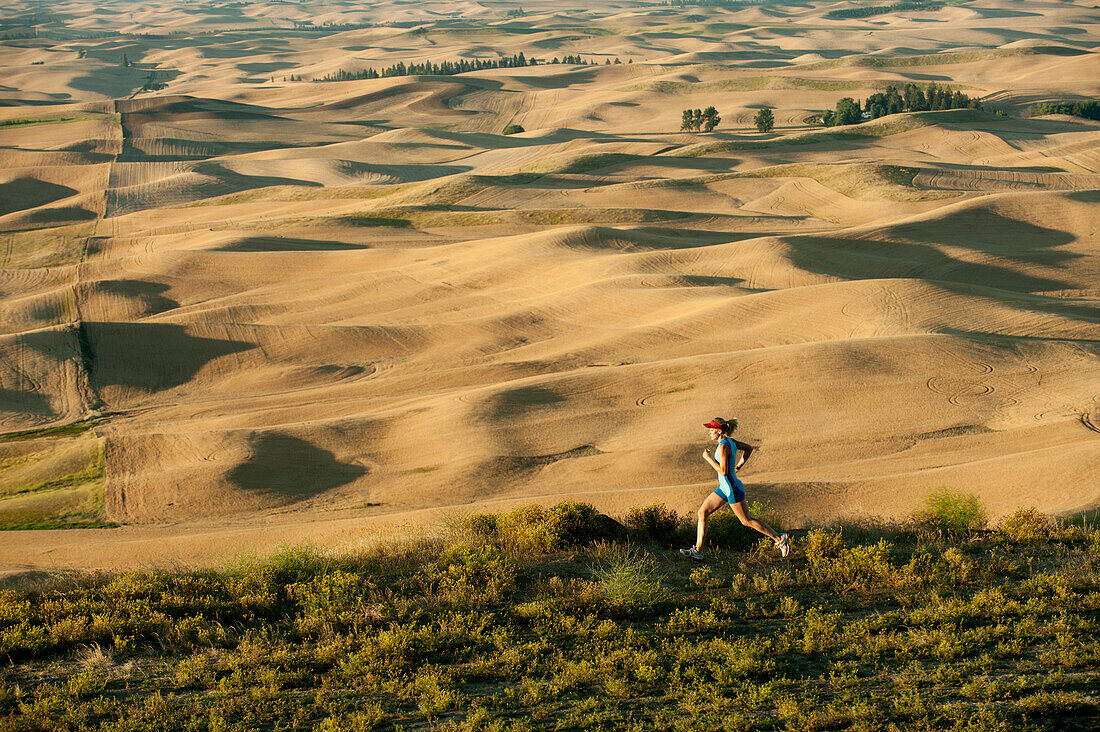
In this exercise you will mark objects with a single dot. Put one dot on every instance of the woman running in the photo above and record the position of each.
(730, 488)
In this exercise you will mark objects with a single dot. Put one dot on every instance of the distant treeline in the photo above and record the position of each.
(448, 68)
(910, 98)
(308, 25)
(712, 3)
(1088, 110)
(869, 10)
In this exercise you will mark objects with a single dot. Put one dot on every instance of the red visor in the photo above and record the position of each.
(713, 425)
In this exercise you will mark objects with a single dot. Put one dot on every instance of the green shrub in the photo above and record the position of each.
(195, 672)
(482, 526)
(87, 683)
(523, 529)
(766, 512)
(703, 579)
(947, 509)
(534, 529)
(575, 524)
(630, 580)
(851, 568)
(655, 521)
(333, 600)
(355, 721)
(1025, 524)
(821, 545)
(469, 576)
(1053, 703)
(266, 579)
(513, 129)
(725, 531)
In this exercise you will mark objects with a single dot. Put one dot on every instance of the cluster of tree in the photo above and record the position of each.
(575, 59)
(764, 120)
(514, 13)
(1088, 110)
(699, 119)
(513, 129)
(911, 98)
(308, 25)
(449, 68)
(152, 84)
(869, 10)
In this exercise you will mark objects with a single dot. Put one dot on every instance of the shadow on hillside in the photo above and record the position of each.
(982, 230)
(909, 251)
(286, 244)
(24, 193)
(25, 402)
(149, 293)
(150, 356)
(290, 469)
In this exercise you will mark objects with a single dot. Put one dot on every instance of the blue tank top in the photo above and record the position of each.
(733, 456)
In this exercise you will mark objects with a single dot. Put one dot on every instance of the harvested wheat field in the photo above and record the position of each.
(243, 306)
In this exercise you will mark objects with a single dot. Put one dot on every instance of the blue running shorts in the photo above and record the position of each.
(730, 491)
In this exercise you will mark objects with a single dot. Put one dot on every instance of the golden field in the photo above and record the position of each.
(271, 309)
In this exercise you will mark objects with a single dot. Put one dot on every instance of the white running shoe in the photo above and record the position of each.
(783, 545)
(692, 553)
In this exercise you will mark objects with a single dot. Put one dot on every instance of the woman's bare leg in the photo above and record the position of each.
(743, 515)
(710, 505)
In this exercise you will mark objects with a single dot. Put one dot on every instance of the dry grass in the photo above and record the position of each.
(900, 629)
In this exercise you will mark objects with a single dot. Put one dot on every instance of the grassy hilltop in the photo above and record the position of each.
(559, 619)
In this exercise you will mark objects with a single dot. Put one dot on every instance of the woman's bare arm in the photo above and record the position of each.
(743, 452)
(723, 460)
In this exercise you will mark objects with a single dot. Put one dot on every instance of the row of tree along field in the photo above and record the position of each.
(910, 98)
(1088, 109)
(867, 11)
(705, 120)
(450, 68)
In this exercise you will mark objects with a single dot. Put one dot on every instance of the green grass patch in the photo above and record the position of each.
(754, 83)
(592, 162)
(942, 59)
(872, 627)
(862, 181)
(428, 217)
(951, 510)
(48, 247)
(90, 474)
(726, 27)
(377, 218)
(55, 119)
(53, 478)
(28, 122)
(80, 507)
(301, 193)
(883, 127)
(53, 433)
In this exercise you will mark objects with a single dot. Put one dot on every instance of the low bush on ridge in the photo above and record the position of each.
(876, 628)
(947, 509)
(533, 529)
(655, 521)
(1025, 524)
